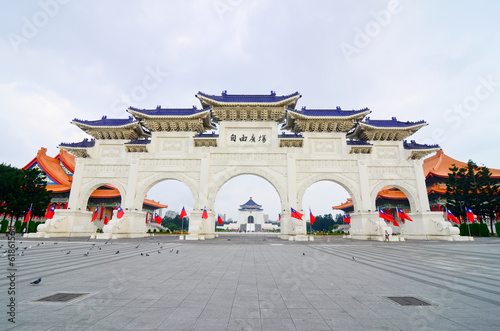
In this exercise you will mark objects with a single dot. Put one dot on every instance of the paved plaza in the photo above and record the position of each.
(253, 283)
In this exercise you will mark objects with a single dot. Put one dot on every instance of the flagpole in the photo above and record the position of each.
(29, 219)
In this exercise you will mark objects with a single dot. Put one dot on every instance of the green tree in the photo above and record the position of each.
(472, 187)
(20, 189)
(326, 222)
(175, 224)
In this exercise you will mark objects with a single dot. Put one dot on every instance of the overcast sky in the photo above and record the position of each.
(431, 60)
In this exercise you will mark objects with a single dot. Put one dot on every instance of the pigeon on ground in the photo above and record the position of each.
(142, 254)
(36, 282)
(99, 247)
(303, 253)
(177, 252)
(38, 244)
(353, 258)
(68, 252)
(161, 246)
(25, 248)
(117, 252)
(56, 243)
(170, 250)
(4, 255)
(159, 252)
(147, 254)
(21, 254)
(86, 254)
(93, 244)
(137, 246)
(88, 238)
(106, 243)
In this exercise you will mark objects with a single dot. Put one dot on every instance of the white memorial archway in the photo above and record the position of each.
(343, 146)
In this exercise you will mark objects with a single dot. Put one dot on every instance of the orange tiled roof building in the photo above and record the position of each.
(436, 169)
(58, 173)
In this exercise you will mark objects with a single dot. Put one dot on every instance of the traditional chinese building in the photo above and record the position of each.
(436, 169)
(59, 172)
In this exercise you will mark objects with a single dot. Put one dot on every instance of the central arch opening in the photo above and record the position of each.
(248, 203)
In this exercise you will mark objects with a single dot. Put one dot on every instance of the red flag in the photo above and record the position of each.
(296, 214)
(395, 223)
(50, 212)
(204, 215)
(347, 219)
(157, 218)
(403, 215)
(106, 220)
(27, 217)
(94, 215)
(219, 220)
(120, 212)
(279, 217)
(470, 214)
(449, 216)
(385, 216)
(183, 213)
(312, 219)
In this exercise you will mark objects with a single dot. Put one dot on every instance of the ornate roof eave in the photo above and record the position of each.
(298, 122)
(126, 131)
(197, 122)
(76, 151)
(418, 151)
(364, 131)
(291, 101)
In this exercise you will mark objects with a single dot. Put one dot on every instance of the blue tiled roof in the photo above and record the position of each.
(327, 112)
(138, 141)
(392, 123)
(356, 142)
(291, 135)
(105, 121)
(413, 145)
(249, 98)
(170, 111)
(250, 204)
(85, 143)
(207, 135)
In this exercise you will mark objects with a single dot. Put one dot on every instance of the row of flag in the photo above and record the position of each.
(295, 214)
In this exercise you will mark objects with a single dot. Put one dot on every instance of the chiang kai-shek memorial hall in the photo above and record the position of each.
(262, 135)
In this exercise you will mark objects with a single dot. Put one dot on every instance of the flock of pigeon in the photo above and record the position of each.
(39, 280)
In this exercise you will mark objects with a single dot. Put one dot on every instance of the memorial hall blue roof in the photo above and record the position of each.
(337, 112)
(413, 145)
(392, 123)
(250, 204)
(158, 111)
(85, 143)
(248, 98)
(105, 121)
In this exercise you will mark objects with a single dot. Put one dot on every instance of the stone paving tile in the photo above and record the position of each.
(248, 285)
(316, 324)
(244, 324)
(277, 324)
(211, 324)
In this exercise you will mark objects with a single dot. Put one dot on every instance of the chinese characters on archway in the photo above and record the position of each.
(249, 138)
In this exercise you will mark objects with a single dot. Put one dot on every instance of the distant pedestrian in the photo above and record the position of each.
(386, 236)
